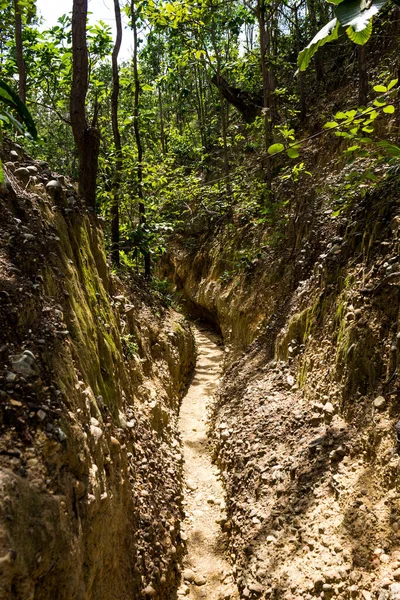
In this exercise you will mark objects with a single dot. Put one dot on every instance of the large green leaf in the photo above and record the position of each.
(11, 98)
(327, 34)
(360, 37)
(354, 16)
(276, 148)
(357, 14)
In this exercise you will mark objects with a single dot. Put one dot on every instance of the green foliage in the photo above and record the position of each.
(203, 165)
(163, 289)
(353, 16)
(11, 99)
(130, 346)
(358, 125)
(328, 33)
(290, 145)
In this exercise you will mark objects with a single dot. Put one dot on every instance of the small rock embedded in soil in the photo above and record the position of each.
(24, 364)
(379, 402)
(329, 409)
(257, 588)
(192, 486)
(149, 591)
(189, 575)
(23, 174)
(54, 187)
(200, 580)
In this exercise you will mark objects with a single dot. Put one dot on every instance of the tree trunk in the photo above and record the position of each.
(267, 92)
(318, 58)
(142, 208)
(87, 138)
(161, 111)
(398, 103)
(248, 106)
(224, 122)
(19, 51)
(115, 257)
(362, 76)
(303, 102)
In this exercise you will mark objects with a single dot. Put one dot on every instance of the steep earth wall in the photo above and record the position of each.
(304, 423)
(91, 376)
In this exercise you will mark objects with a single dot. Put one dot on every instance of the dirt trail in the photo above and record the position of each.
(207, 573)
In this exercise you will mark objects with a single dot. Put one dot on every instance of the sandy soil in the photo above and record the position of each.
(207, 572)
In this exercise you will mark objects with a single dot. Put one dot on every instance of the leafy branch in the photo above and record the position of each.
(354, 17)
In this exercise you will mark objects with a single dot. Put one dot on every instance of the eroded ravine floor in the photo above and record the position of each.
(206, 571)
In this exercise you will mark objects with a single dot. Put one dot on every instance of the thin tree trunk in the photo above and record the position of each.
(19, 51)
(142, 209)
(398, 103)
(267, 106)
(203, 100)
(87, 138)
(362, 76)
(160, 102)
(303, 102)
(318, 58)
(115, 257)
(161, 111)
(224, 123)
(199, 106)
(203, 103)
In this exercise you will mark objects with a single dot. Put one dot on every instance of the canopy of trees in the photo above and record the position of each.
(199, 112)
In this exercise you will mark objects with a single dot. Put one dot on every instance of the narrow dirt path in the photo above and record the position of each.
(206, 572)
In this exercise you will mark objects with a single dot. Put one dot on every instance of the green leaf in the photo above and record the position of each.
(331, 125)
(292, 153)
(340, 115)
(357, 14)
(327, 34)
(360, 37)
(379, 103)
(372, 116)
(11, 98)
(5, 96)
(380, 88)
(394, 151)
(392, 84)
(389, 110)
(1, 173)
(275, 148)
(13, 121)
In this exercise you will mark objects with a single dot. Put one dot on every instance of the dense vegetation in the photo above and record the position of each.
(209, 114)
